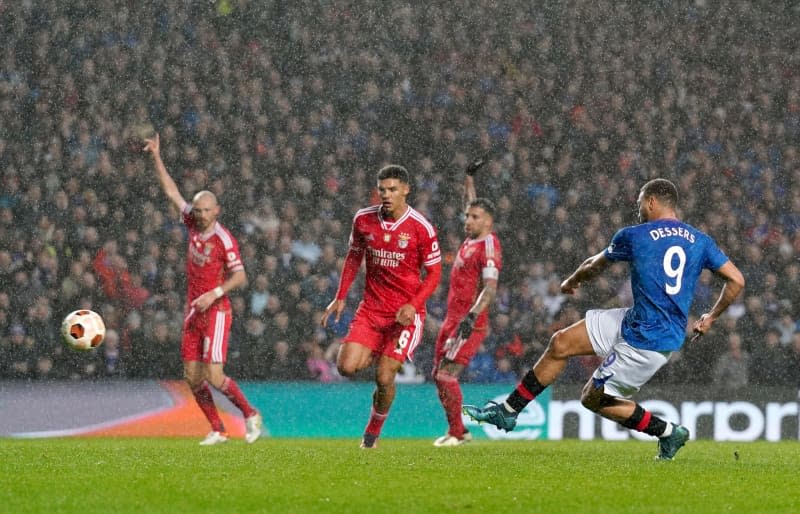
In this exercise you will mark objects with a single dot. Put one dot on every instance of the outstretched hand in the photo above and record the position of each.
(475, 165)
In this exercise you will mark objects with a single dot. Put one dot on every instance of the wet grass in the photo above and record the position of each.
(335, 476)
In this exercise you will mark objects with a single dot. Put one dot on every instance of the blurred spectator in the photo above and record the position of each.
(768, 365)
(19, 354)
(5, 318)
(154, 355)
(481, 368)
(786, 327)
(284, 365)
(259, 295)
(319, 368)
(118, 283)
(504, 371)
(306, 247)
(731, 369)
(112, 361)
(254, 351)
(793, 362)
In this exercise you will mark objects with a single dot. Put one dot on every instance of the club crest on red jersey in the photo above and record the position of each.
(403, 240)
(200, 254)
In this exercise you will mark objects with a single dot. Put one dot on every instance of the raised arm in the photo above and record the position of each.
(167, 184)
(469, 180)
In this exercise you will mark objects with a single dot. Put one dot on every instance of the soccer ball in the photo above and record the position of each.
(83, 330)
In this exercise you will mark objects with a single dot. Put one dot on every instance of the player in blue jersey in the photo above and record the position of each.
(666, 258)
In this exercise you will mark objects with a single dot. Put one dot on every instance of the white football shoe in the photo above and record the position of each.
(255, 427)
(214, 438)
(449, 440)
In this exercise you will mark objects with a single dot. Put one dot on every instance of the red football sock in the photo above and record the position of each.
(202, 395)
(451, 397)
(376, 420)
(231, 390)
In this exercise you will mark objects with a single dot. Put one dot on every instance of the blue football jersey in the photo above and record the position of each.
(666, 258)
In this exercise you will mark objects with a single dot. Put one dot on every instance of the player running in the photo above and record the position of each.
(397, 243)
(666, 258)
(473, 287)
(212, 255)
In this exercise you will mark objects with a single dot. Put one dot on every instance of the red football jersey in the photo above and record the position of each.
(395, 252)
(210, 258)
(477, 259)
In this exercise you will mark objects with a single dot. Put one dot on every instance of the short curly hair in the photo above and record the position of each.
(483, 203)
(394, 171)
(664, 190)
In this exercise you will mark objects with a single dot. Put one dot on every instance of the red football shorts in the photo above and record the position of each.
(384, 336)
(205, 335)
(460, 352)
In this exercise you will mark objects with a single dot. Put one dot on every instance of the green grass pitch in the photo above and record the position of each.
(401, 476)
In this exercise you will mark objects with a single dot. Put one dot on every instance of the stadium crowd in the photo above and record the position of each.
(287, 111)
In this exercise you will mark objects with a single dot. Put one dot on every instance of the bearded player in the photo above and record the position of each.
(666, 259)
(397, 243)
(473, 287)
(213, 268)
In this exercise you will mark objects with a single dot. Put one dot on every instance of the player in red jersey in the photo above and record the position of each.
(473, 287)
(397, 242)
(212, 256)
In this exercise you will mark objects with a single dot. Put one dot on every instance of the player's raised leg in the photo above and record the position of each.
(352, 358)
(566, 343)
(623, 372)
(631, 415)
(398, 342)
